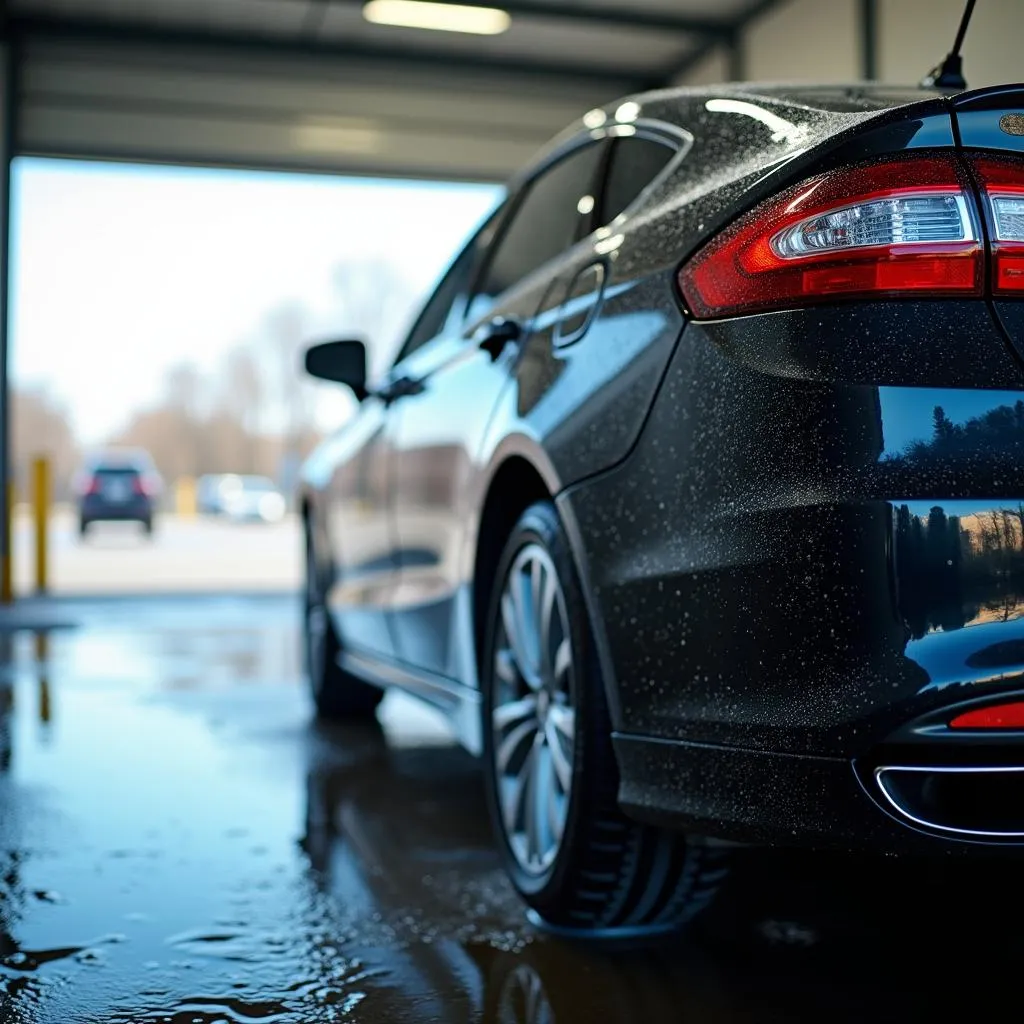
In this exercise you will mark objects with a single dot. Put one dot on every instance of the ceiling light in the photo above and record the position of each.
(439, 17)
(337, 135)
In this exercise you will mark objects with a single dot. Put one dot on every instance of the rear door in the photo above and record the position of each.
(437, 432)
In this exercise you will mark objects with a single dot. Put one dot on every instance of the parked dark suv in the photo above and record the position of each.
(117, 486)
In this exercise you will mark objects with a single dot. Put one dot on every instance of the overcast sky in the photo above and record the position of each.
(120, 272)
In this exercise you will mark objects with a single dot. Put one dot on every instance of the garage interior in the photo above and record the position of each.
(178, 840)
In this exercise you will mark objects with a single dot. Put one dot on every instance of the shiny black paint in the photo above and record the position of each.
(758, 506)
(718, 578)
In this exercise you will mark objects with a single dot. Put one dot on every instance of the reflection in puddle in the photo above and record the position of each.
(205, 855)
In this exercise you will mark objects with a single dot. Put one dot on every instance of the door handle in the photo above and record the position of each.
(580, 304)
(494, 336)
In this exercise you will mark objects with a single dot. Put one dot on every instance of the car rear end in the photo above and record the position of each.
(115, 492)
(824, 641)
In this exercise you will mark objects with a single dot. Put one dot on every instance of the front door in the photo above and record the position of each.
(365, 570)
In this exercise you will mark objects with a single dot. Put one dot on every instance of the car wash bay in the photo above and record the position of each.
(179, 840)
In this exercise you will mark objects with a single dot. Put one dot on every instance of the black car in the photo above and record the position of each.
(117, 486)
(695, 497)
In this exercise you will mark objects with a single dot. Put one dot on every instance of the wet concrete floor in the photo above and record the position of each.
(180, 843)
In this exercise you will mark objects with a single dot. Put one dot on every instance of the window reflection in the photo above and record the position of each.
(959, 567)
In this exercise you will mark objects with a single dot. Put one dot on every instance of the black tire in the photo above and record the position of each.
(336, 693)
(609, 874)
(83, 527)
(147, 527)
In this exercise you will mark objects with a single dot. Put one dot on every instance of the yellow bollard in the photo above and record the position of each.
(41, 516)
(42, 659)
(7, 560)
(185, 496)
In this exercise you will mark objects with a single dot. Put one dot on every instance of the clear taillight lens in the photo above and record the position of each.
(1008, 215)
(898, 220)
(1002, 181)
(895, 229)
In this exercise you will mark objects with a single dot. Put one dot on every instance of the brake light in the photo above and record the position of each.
(1002, 181)
(142, 486)
(999, 716)
(93, 485)
(897, 228)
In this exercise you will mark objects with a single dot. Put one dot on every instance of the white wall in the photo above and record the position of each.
(820, 41)
(804, 41)
(914, 35)
(712, 68)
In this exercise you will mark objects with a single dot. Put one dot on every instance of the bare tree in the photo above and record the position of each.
(374, 303)
(285, 337)
(242, 397)
(40, 426)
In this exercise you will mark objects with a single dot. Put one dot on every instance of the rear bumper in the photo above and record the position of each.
(818, 539)
(761, 798)
(96, 511)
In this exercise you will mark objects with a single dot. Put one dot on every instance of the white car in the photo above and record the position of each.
(251, 498)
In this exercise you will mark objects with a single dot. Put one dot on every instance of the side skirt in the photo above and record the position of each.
(460, 704)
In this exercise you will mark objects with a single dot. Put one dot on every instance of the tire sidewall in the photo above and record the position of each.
(539, 524)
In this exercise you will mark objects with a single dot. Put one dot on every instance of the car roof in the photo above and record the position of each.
(128, 458)
(837, 97)
(811, 112)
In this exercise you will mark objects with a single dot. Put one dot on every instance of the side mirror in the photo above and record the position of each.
(343, 362)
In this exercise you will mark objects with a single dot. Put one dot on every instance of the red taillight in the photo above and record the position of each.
(92, 485)
(140, 485)
(902, 227)
(998, 716)
(1002, 181)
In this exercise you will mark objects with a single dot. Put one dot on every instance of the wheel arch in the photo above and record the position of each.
(515, 484)
(521, 474)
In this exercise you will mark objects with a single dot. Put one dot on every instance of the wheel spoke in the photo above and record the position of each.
(512, 742)
(534, 807)
(563, 661)
(513, 795)
(547, 797)
(538, 580)
(510, 620)
(560, 762)
(524, 709)
(546, 614)
(534, 1002)
(563, 718)
(522, 586)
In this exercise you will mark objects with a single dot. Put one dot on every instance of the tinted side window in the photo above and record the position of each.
(633, 165)
(431, 322)
(548, 219)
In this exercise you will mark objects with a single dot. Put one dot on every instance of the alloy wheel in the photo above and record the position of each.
(534, 713)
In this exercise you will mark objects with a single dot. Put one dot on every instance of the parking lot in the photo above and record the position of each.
(181, 844)
(193, 554)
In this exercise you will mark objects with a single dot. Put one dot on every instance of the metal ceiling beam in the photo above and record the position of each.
(607, 78)
(621, 17)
